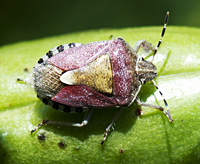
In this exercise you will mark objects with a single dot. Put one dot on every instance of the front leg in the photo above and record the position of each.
(144, 44)
(148, 105)
(155, 107)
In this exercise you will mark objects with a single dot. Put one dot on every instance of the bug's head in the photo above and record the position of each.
(145, 70)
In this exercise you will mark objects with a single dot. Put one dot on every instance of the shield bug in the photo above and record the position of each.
(77, 77)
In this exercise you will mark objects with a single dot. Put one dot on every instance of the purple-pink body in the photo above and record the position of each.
(123, 62)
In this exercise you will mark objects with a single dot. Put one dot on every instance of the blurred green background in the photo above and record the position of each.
(26, 20)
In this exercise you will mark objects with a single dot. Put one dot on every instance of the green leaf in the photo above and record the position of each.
(149, 138)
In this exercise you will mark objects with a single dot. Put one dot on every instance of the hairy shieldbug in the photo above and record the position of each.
(78, 77)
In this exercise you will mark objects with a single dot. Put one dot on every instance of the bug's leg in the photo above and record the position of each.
(148, 46)
(148, 105)
(110, 125)
(83, 123)
(144, 44)
(151, 106)
(156, 106)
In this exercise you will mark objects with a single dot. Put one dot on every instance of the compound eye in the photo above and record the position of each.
(142, 81)
(141, 59)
